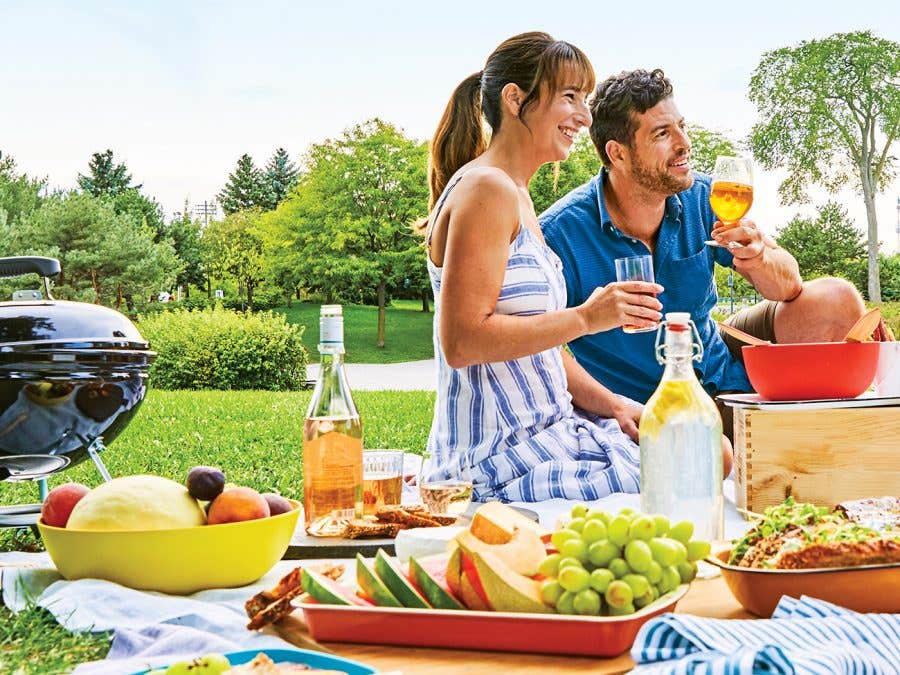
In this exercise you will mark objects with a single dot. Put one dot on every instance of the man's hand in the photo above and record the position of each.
(773, 271)
(744, 241)
(628, 416)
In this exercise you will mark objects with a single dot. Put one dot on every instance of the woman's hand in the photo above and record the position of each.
(628, 416)
(621, 303)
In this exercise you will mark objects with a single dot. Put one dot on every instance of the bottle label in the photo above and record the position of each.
(331, 330)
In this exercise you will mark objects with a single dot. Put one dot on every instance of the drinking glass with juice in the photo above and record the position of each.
(636, 268)
(382, 479)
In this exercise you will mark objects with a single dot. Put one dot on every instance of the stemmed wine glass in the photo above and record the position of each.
(445, 488)
(731, 193)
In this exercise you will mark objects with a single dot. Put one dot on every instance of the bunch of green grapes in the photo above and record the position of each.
(613, 565)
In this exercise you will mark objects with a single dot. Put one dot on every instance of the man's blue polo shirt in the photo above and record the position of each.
(579, 229)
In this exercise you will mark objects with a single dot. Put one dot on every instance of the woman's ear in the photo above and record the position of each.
(512, 96)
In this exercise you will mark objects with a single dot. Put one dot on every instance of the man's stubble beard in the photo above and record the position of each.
(658, 181)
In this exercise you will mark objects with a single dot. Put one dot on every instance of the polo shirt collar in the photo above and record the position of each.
(672, 212)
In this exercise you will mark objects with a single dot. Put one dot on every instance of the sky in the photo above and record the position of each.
(179, 90)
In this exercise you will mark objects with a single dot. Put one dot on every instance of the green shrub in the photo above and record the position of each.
(219, 349)
(891, 313)
(196, 301)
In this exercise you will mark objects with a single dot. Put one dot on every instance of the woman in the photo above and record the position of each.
(505, 388)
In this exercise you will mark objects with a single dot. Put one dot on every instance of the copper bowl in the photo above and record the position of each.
(867, 588)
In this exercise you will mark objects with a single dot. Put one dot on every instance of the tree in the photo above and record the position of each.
(556, 179)
(19, 197)
(830, 111)
(828, 245)
(246, 188)
(143, 209)
(106, 177)
(706, 145)
(185, 236)
(235, 249)
(347, 228)
(890, 277)
(281, 176)
(731, 286)
(108, 180)
(106, 257)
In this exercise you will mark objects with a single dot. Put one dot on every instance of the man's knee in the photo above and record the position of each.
(823, 312)
(838, 294)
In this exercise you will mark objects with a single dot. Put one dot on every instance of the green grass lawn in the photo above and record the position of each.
(407, 331)
(256, 437)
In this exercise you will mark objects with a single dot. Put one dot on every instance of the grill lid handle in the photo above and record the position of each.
(13, 267)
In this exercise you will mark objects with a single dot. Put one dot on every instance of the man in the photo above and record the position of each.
(646, 200)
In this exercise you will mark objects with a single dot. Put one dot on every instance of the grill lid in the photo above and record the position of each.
(58, 323)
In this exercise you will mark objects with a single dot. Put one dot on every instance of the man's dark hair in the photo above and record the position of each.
(614, 101)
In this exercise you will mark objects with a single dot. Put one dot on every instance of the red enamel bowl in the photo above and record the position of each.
(811, 371)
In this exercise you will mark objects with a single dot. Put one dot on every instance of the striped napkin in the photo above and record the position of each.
(805, 636)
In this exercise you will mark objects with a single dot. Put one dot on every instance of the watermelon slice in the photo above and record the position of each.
(327, 591)
(373, 587)
(430, 577)
(388, 570)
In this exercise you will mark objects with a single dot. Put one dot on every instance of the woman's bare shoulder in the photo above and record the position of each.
(483, 185)
(488, 178)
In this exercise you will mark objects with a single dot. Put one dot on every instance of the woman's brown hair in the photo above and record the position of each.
(529, 60)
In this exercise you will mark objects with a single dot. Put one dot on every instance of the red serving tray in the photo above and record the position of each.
(495, 631)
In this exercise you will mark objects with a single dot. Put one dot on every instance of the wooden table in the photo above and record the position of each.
(709, 597)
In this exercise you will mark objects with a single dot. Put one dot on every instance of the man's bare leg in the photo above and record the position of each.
(823, 312)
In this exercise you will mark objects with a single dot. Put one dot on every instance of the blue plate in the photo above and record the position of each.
(304, 656)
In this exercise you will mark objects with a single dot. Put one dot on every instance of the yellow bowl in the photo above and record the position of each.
(178, 561)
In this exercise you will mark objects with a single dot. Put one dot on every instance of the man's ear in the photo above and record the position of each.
(616, 152)
(512, 97)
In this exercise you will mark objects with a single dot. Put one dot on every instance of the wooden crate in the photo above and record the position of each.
(819, 456)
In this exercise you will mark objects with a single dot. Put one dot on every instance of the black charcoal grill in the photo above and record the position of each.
(72, 375)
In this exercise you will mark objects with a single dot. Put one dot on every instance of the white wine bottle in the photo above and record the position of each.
(332, 439)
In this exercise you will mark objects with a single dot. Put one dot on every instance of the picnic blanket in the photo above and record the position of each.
(803, 637)
(149, 629)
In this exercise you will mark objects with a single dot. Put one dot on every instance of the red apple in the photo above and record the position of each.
(60, 501)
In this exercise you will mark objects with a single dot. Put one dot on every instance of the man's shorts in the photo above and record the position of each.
(759, 321)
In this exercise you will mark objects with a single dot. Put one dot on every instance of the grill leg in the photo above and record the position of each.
(94, 450)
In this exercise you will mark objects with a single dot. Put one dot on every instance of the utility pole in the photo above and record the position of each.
(898, 225)
(205, 210)
(731, 288)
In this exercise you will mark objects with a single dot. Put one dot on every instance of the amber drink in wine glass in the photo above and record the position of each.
(731, 193)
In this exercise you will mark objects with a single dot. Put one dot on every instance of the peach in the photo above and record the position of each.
(277, 503)
(60, 501)
(236, 505)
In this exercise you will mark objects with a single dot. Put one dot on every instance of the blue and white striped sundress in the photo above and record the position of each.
(513, 422)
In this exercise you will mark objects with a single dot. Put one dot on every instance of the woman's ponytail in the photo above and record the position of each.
(459, 137)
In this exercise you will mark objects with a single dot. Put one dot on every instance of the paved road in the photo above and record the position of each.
(408, 376)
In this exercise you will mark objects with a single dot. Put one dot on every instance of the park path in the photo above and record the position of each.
(407, 376)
